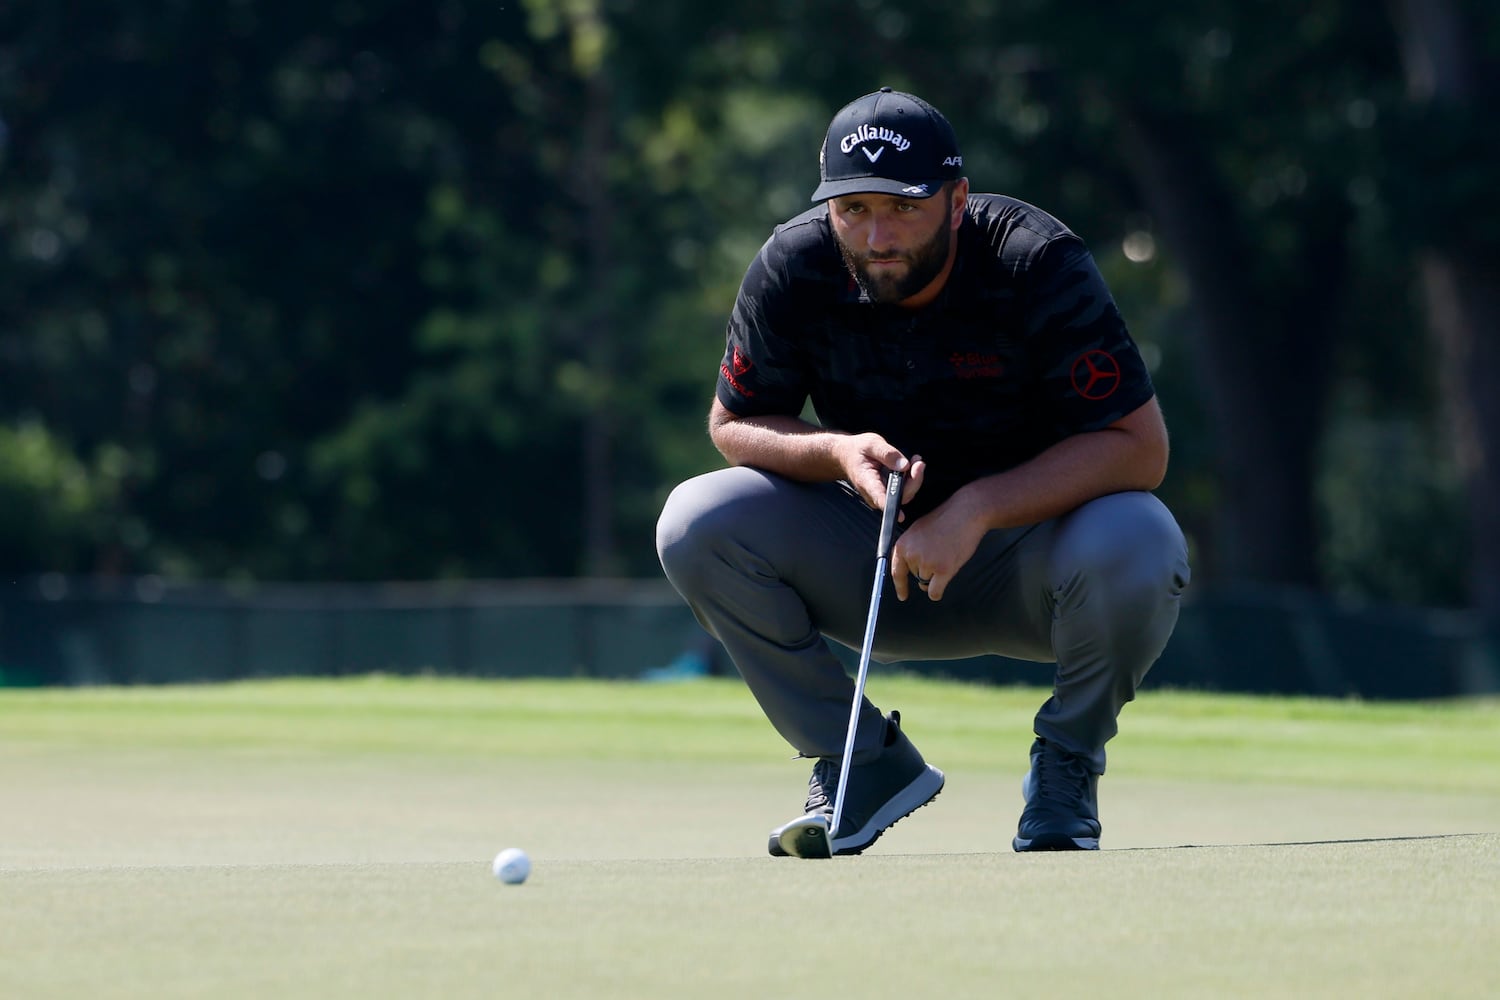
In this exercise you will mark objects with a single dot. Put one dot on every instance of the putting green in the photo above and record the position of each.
(332, 839)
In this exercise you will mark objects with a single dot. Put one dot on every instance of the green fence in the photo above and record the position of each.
(56, 631)
(65, 631)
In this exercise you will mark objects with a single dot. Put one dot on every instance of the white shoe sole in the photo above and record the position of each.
(808, 836)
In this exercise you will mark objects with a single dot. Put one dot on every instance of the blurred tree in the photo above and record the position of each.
(336, 283)
(1445, 159)
(381, 289)
(51, 503)
(1228, 126)
(204, 201)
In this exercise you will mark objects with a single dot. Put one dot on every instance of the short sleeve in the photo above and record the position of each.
(763, 371)
(1091, 371)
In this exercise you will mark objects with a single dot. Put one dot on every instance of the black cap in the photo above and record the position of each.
(888, 143)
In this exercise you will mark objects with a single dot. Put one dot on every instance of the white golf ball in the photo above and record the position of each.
(511, 866)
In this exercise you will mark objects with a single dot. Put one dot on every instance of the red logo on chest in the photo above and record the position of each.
(976, 365)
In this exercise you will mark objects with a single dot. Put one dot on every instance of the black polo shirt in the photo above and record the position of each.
(1023, 347)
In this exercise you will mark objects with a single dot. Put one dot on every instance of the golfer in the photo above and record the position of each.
(968, 341)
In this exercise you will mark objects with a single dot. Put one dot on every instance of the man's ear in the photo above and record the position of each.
(960, 201)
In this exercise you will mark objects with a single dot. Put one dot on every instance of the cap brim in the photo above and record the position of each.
(876, 185)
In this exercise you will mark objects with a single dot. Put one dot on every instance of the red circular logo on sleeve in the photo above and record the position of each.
(1096, 375)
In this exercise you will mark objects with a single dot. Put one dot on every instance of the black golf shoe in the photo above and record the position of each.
(879, 793)
(1062, 802)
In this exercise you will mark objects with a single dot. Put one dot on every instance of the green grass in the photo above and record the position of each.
(331, 838)
(1449, 745)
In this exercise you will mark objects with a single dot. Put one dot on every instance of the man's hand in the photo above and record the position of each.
(868, 460)
(935, 548)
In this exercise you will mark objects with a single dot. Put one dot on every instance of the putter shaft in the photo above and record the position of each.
(882, 561)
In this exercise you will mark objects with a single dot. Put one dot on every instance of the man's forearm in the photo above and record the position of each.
(788, 446)
(1062, 478)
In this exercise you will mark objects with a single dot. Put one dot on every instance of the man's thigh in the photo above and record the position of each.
(1005, 598)
(996, 604)
(818, 539)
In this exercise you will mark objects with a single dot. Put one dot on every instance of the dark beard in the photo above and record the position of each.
(923, 263)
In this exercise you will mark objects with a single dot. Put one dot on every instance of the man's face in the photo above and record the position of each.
(894, 246)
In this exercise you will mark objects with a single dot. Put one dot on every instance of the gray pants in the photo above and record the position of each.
(771, 567)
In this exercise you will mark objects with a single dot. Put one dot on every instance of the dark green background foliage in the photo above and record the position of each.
(367, 289)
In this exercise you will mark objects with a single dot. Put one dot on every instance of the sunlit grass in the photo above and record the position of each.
(1452, 746)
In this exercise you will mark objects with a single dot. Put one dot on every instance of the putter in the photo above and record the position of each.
(812, 836)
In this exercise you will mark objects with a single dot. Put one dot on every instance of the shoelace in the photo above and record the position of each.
(1060, 777)
(825, 779)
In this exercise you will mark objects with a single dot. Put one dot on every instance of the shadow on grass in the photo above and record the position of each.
(1314, 843)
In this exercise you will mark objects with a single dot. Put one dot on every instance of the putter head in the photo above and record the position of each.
(805, 837)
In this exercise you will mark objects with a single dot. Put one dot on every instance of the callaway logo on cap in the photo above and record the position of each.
(888, 143)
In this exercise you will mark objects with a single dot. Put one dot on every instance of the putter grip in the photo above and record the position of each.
(888, 518)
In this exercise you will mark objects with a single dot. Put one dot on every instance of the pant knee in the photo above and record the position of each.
(1126, 549)
(681, 530)
(704, 523)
